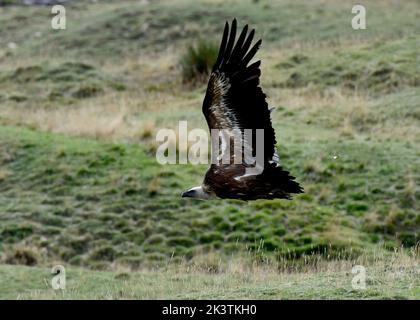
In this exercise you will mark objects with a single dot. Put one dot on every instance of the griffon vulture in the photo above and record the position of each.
(234, 102)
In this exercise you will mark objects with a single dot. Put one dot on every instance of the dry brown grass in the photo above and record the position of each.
(153, 187)
(410, 188)
(155, 95)
(4, 173)
(254, 265)
(388, 275)
(86, 121)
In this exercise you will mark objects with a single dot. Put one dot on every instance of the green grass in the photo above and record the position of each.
(79, 109)
(385, 279)
(91, 203)
(64, 83)
(108, 29)
(376, 68)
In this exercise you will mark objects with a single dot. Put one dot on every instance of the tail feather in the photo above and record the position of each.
(284, 180)
(278, 183)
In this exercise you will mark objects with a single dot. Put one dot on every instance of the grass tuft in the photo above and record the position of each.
(197, 61)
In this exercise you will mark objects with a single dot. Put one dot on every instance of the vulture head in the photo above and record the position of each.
(198, 193)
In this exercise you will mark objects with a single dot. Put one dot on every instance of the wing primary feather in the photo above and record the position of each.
(239, 44)
(252, 77)
(222, 46)
(247, 44)
(252, 72)
(255, 65)
(230, 43)
(251, 53)
(251, 69)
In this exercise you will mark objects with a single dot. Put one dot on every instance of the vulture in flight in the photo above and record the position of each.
(235, 104)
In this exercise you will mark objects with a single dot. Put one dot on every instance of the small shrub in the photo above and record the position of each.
(148, 130)
(26, 74)
(181, 241)
(409, 239)
(122, 276)
(156, 239)
(210, 263)
(133, 262)
(197, 61)
(105, 253)
(4, 174)
(210, 237)
(153, 187)
(22, 256)
(14, 233)
(87, 91)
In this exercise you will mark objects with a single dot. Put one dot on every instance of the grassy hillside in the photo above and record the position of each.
(111, 28)
(91, 203)
(79, 110)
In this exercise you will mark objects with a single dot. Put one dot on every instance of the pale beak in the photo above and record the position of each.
(188, 194)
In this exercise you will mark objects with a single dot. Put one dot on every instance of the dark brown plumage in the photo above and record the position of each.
(235, 101)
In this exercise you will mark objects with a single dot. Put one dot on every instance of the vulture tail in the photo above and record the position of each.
(280, 183)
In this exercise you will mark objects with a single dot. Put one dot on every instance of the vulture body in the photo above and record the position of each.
(234, 102)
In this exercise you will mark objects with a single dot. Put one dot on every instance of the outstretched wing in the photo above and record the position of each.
(234, 99)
